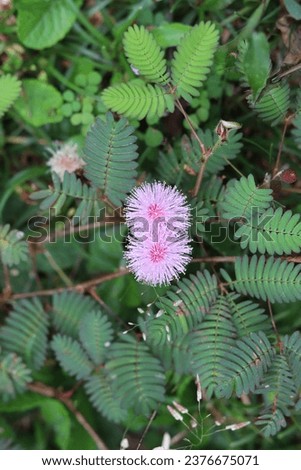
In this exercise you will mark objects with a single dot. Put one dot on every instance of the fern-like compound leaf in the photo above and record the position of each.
(71, 356)
(68, 308)
(274, 103)
(193, 58)
(14, 376)
(273, 279)
(137, 101)
(10, 88)
(190, 299)
(95, 333)
(13, 249)
(110, 154)
(72, 186)
(244, 365)
(100, 393)
(25, 332)
(145, 55)
(210, 343)
(292, 351)
(271, 422)
(278, 387)
(272, 232)
(228, 150)
(247, 316)
(137, 376)
(242, 197)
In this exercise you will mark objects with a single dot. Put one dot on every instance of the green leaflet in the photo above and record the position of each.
(13, 249)
(244, 365)
(71, 356)
(137, 376)
(242, 197)
(274, 103)
(67, 311)
(273, 279)
(193, 58)
(25, 332)
(10, 89)
(144, 54)
(272, 232)
(99, 390)
(137, 101)
(56, 197)
(14, 376)
(110, 153)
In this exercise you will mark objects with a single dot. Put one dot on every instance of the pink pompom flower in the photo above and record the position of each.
(158, 218)
(65, 158)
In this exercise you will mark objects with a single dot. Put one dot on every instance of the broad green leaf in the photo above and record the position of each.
(42, 23)
(170, 34)
(39, 103)
(294, 8)
(256, 63)
(57, 417)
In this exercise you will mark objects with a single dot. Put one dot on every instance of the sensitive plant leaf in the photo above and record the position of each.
(10, 88)
(110, 155)
(294, 9)
(25, 332)
(145, 55)
(193, 58)
(14, 376)
(13, 249)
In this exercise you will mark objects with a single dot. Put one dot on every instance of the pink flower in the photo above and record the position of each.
(65, 158)
(153, 200)
(158, 219)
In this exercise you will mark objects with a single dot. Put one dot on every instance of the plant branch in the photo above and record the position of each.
(81, 287)
(53, 393)
(277, 164)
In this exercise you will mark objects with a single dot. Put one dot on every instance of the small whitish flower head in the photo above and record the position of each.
(65, 158)
(158, 260)
(153, 203)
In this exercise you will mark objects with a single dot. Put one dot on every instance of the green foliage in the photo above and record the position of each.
(96, 334)
(71, 356)
(222, 152)
(121, 350)
(99, 390)
(243, 365)
(25, 332)
(110, 153)
(271, 422)
(137, 376)
(9, 91)
(14, 376)
(242, 197)
(42, 23)
(56, 197)
(39, 103)
(68, 309)
(273, 232)
(137, 101)
(296, 132)
(273, 279)
(210, 344)
(13, 249)
(144, 54)
(274, 103)
(193, 58)
(255, 63)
